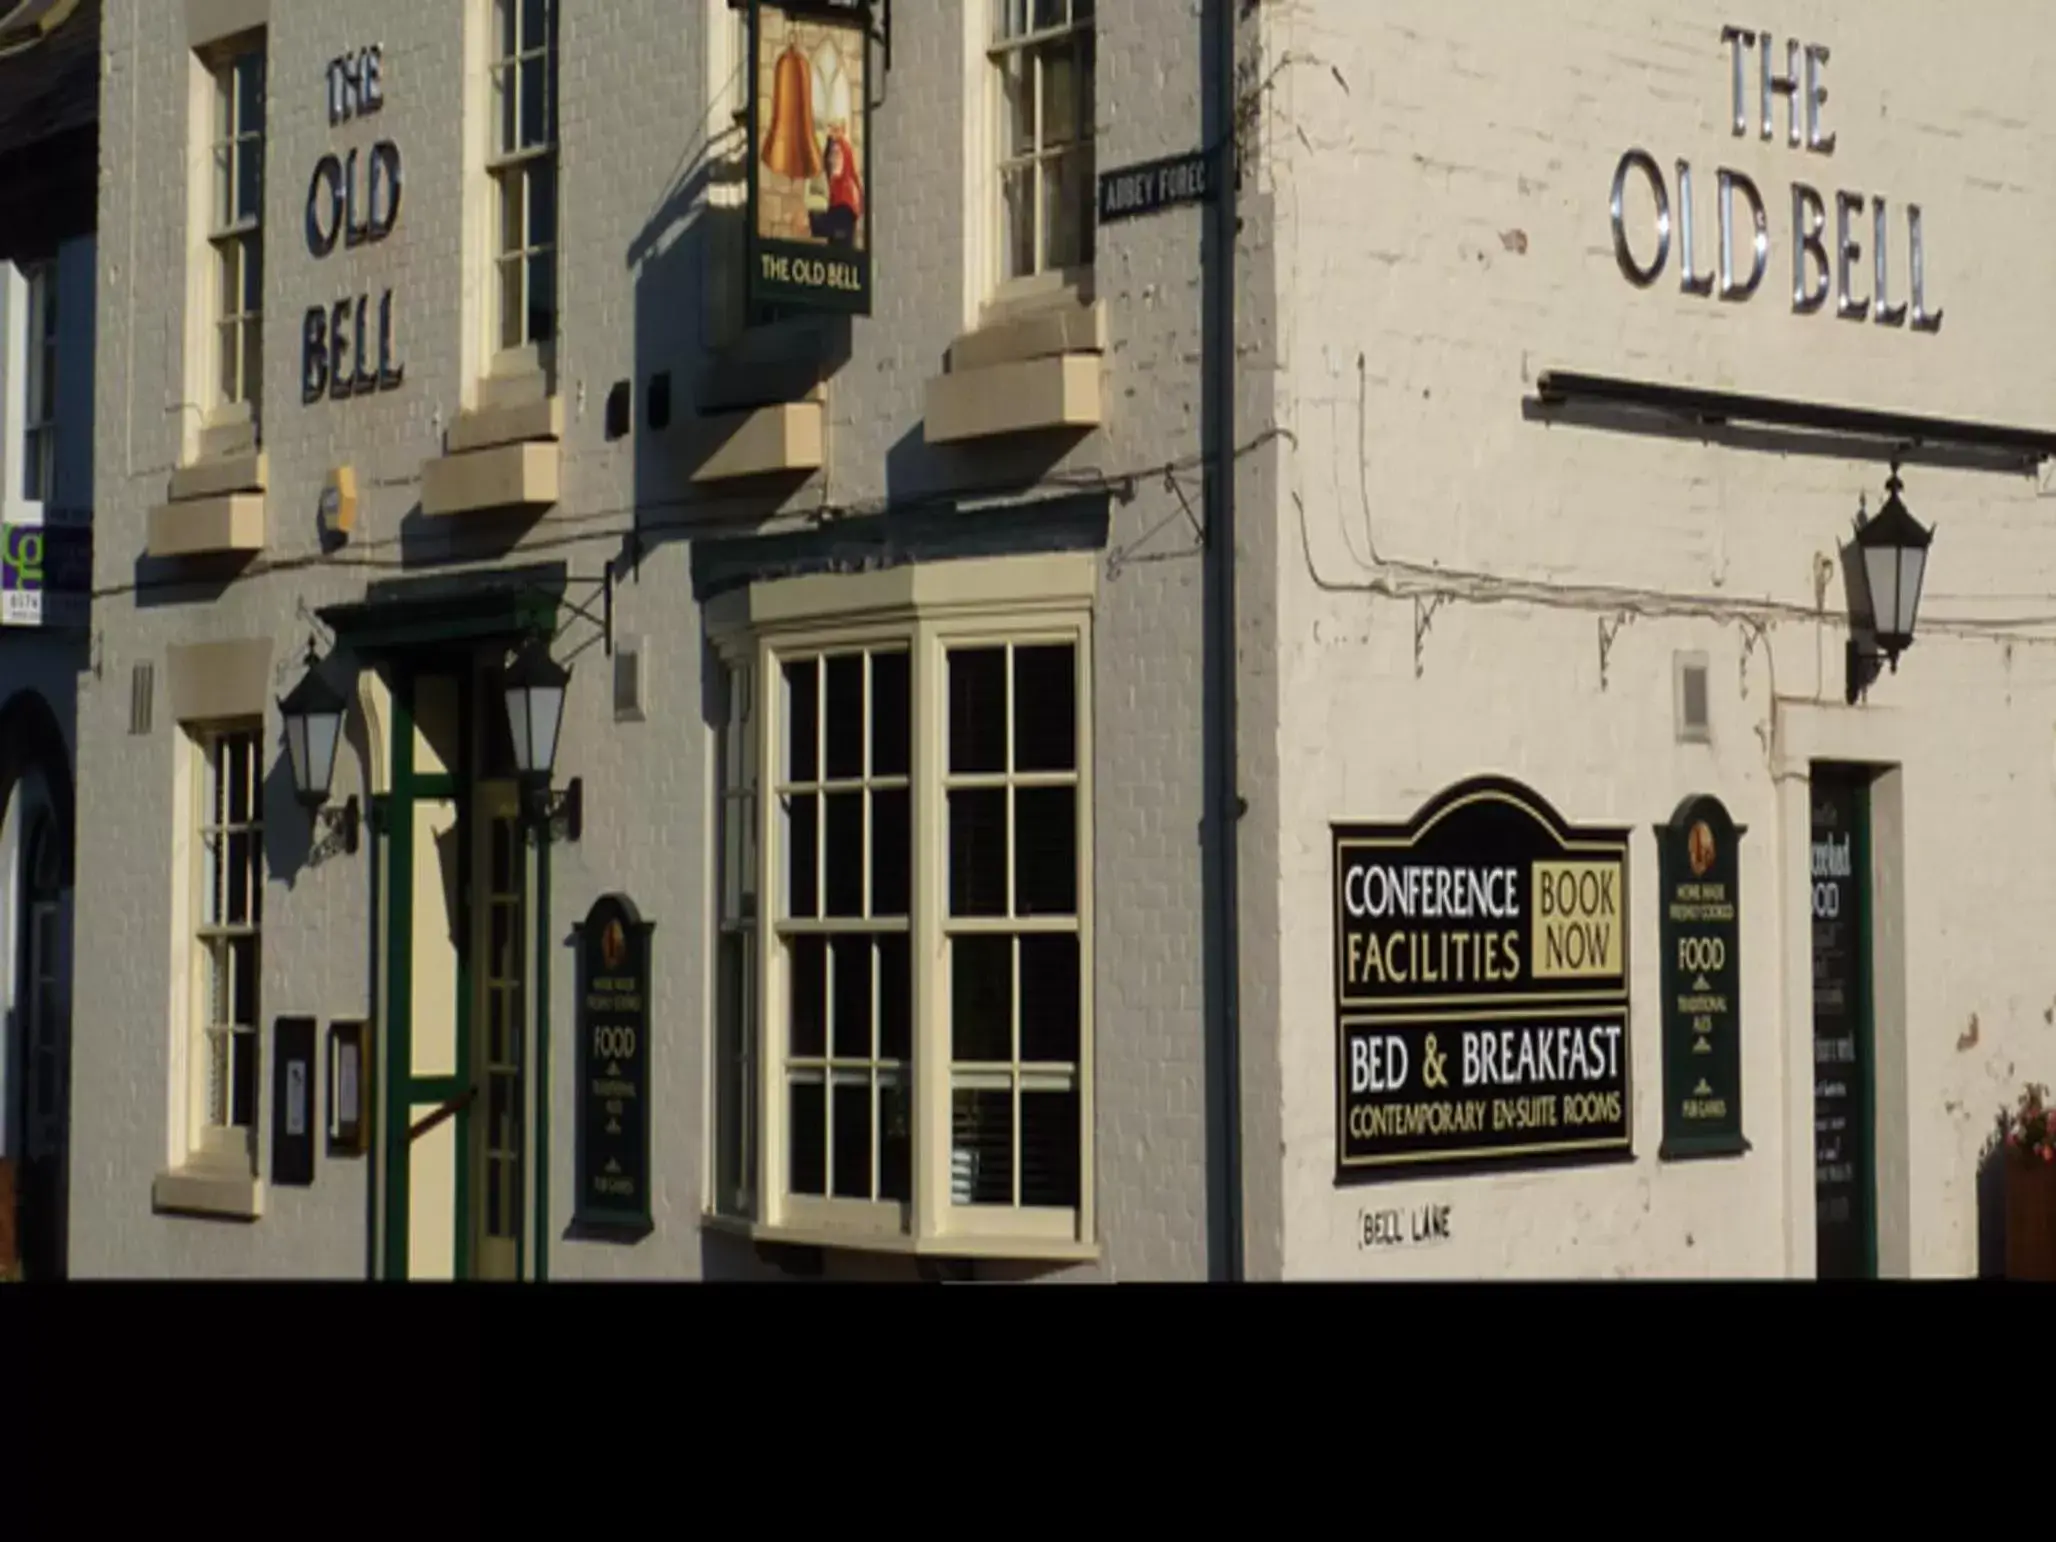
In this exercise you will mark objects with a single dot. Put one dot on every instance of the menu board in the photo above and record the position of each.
(1699, 931)
(613, 1064)
(1841, 1172)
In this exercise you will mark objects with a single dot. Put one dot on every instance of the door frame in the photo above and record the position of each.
(1861, 781)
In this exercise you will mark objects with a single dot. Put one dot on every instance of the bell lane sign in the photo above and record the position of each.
(1156, 185)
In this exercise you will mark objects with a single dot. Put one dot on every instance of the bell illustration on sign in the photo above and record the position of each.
(614, 945)
(810, 143)
(1701, 848)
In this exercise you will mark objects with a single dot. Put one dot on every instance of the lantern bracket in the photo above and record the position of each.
(342, 831)
(602, 595)
(557, 815)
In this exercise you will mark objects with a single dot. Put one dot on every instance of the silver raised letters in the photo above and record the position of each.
(1740, 40)
(1849, 305)
(1881, 309)
(1732, 182)
(1816, 94)
(1809, 225)
(1639, 160)
(1923, 321)
(1690, 282)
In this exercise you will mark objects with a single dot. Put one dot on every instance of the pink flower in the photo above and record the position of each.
(2013, 1137)
(2048, 1155)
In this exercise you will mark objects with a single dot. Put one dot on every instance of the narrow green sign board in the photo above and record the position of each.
(1700, 936)
(613, 1063)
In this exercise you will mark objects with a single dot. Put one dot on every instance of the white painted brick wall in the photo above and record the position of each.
(1441, 175)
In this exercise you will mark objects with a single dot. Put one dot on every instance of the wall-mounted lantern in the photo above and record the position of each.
(314, 728)
(1892, 550)
(535, 686)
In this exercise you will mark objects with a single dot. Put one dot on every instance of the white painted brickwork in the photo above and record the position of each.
(633, 143)
(1441, 175)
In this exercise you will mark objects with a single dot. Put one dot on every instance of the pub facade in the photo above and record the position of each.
(1076, 641)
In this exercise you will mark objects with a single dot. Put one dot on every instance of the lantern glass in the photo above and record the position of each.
(314, 728)
(535, 710)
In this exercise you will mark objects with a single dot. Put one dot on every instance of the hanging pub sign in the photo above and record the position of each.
(809, 222)
(46, 575)
(1700, 937)
(1481, 987)
(613, 1066)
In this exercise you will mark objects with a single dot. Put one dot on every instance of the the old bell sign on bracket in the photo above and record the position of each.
(1156, 185)
(1700, 932)
(1481, 987)
(613, 1064)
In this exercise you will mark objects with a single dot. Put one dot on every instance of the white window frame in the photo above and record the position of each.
(210, 938)
(38, 474)
(929, 610)
(991, 244)
(513, 165)
(235, 237)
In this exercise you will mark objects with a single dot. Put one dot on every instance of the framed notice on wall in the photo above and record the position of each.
(1481, 988)
(1699, 931)
(809, 221)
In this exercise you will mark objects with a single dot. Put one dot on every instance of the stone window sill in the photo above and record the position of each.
(1026, 370)
(195, 527)
(201, 1189)
(1012, 1248)
(524, 475)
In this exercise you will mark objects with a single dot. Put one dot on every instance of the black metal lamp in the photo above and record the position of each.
(535, 685)
(1892, 551)
(313, 715)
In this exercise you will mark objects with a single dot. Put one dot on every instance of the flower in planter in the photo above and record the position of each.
(2031, 1124)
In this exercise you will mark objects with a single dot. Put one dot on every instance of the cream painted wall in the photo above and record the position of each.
(1443, 236)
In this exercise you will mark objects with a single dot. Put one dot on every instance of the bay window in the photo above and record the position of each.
(902, 1034)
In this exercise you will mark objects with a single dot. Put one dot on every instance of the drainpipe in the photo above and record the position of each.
(1217, 52)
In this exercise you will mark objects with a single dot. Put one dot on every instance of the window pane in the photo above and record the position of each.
(1049, 999)
(217, 1078)
(1046, 853)
(535, 23)
(845, 715)
(229, 271)
(895, 997)
(978, 852)
(982, 999)
(732, 1071)
(510, 28)
(542, 298)
(241, 802)
(891, 730)
(1045, 709)
(808, 990)
(223, 186)
(535, 103)
(1049, 13)
(982, 1154)
(250, 95)
(253, 277)
(852, 997)
(1010, 17)
(502, 933)
(505, 109)
(802, 816)
(542, 205)
(496, 1027)
(510, 303)
(243, 1089)
(808, 1151)
(1066, 210)
(802, 761)
(238, 880)
(250, 180)
(243, 961)
(845, 854)
(1018, 199)
(1062, 94)
(1049, 1148)
(895, 1143)
(224, 104)
(977, 710)
(253, 362)
(513, 214)
(892, 853)
(1017, 104)
(853, 1137)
